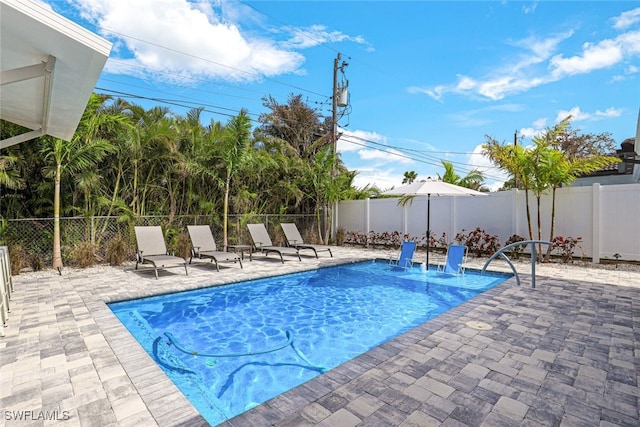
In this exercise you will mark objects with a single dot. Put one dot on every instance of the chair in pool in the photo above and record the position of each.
(294, 239)
(203, 245)
(405, 257)
(455, 261)
(152, 250)
(263, 243)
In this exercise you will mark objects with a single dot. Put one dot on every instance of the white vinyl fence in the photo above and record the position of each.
(606, 217)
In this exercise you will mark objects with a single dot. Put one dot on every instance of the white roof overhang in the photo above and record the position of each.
(48, 68)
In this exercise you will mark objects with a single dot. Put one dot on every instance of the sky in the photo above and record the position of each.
(426, 81)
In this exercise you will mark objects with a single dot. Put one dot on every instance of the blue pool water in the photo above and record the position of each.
(230, 348)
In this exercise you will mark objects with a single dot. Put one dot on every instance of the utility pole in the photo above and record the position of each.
(334, 108)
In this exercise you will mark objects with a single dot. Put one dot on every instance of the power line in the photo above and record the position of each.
(431, 160)
(251, 73)
(417, 155)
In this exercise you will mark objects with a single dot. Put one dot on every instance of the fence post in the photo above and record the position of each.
(92, 236)
(454, 217)
(405, 219)
(334, 221)
(367, 218)
(595, 226)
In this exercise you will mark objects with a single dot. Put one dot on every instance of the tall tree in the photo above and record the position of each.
(237, 138)
(301, 128)
(514, 160)
(297, 124)
(82, 153)
(571, 155)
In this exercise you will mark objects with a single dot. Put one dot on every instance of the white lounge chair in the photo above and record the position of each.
(263, 243)
(152, 250)
(204, 246)
(294, 239)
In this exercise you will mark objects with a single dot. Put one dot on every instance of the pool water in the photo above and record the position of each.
(230, 348)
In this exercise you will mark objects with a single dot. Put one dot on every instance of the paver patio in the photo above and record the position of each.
(565, 353)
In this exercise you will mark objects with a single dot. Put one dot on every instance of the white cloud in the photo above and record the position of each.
(181, 40)
(540, 123)
(530, 132)
(527, 9)
(356, 139)
(578, 115)
(370, 146)
(592, 57)
(526, 73)
(508, 79)
(316, 35)
(384, 179)
(575, 113)
(482, 116)
(626, 19)
(389, 155)
(609, 112)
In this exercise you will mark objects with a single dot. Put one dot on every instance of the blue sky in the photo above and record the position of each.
(427, 80)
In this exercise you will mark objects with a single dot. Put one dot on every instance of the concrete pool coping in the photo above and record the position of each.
(65, 353)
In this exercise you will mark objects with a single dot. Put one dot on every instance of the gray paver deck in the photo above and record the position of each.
(565, 353)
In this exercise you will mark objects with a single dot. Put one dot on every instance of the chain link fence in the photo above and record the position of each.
(33, 238)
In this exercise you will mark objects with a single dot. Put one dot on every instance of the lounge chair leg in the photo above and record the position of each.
(155, 270)
(185, 269)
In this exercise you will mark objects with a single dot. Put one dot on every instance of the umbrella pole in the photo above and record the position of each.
(428, 231)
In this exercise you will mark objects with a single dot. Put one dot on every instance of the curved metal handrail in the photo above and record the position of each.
(533, 244)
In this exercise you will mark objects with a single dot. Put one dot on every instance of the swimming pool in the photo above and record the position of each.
(229, 348)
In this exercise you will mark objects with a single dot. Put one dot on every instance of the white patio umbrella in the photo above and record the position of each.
(428, 188)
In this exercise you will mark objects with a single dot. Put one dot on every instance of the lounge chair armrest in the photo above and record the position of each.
(140, 256)
(196, 251)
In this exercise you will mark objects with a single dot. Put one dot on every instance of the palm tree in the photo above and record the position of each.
(474, 179)
(9, 177)
(82, 153)
(562, 168)
(234, 150)
(515, 160)
(409, 177)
